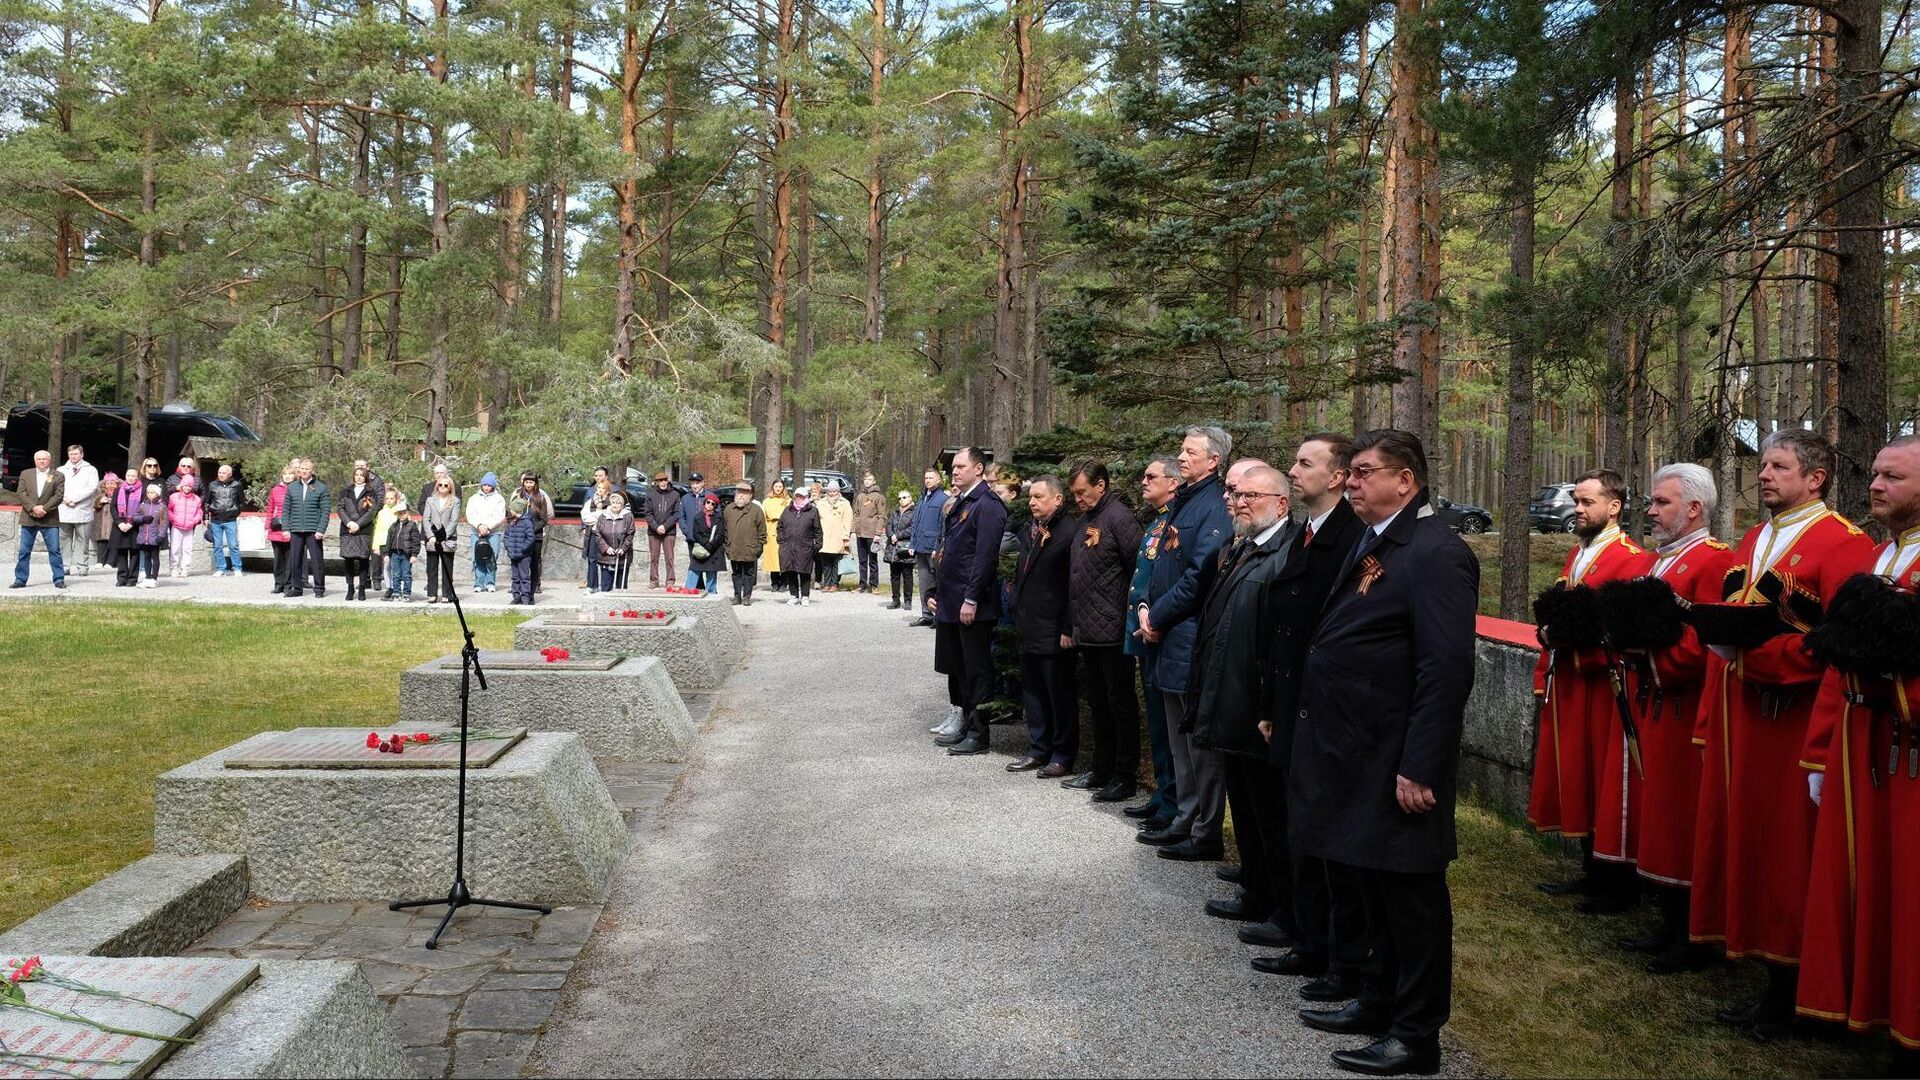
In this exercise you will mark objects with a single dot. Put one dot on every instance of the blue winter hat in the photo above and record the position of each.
(490, 480)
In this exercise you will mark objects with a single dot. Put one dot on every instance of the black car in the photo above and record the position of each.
(1464, 518)
(1551, 510)
(819, 476)
(102, 431)
(568, 506)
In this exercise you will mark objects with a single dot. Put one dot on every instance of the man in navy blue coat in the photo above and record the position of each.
(1183, 572)
(929, 522)
(1376, 750)
(967, 598)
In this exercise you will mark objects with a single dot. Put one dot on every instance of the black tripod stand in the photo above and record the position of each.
(458, 896)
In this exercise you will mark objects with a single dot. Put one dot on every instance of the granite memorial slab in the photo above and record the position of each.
(542, 827)
(719, 622)
(529, 660)
(691, 657)
(346, 748)
(64, 1029)
(626, 707)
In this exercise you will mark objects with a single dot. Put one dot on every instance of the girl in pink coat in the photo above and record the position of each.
(184, 514)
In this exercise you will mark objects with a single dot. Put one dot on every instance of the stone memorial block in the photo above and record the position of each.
(681, 645)
(299, 1018)
(541, 826)
(346, 748)
(718, 621)
(624, 707)
(164, 996)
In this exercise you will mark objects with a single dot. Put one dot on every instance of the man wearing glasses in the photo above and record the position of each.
(1376, 748)
(1158, 484)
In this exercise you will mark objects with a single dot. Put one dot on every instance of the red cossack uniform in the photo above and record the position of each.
(1861, 958)
(1753, 839)
(1578, 708)
(1657, 834)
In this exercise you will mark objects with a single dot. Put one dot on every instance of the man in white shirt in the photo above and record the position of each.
(80, 481)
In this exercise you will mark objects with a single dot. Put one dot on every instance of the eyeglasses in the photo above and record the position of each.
(1365, 471)
(1249, 496)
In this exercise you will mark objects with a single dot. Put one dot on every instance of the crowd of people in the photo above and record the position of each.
(1310, 675)
(1755, 767)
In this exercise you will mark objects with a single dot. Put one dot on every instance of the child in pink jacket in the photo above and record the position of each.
(184, 514)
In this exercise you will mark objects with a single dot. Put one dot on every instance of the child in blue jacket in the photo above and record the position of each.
(520, 540)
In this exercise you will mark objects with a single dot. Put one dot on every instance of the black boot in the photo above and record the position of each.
(1618, 890)
(1774, 1020)
(1587, 884)
(1906, 1063)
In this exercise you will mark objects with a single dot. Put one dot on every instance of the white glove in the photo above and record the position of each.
(1815, 781)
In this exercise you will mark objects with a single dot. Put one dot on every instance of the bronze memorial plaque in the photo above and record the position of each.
(73, 1001)
(346, 748)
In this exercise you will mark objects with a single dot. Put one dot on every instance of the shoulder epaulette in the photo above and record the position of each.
(1717, 545)
(1632, 547)
(1851, 527)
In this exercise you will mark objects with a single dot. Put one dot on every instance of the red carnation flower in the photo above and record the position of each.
(423, 737)
(373, 739)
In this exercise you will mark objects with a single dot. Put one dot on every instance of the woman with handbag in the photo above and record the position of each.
(707, 543)
(441, 517)
(277, 533)
(899, 552)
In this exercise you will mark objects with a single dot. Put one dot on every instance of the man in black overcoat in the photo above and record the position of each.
(1049, 693)
(1319, 550)
(966, 592)
(1376, 749)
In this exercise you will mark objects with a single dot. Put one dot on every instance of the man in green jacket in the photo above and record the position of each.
(305, 518)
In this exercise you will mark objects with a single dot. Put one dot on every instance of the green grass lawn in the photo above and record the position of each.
(128, 691)
(1548, 553)
(1540, 991)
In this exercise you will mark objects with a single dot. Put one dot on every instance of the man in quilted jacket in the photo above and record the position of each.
(1101, 568)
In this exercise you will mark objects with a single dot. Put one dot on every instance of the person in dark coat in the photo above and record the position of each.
(746, 541)
(1376, 750)
(707, 531)
(799, 536)
(899, 553)
(1189, 558)
(612, 547)
(966, 598)
(1233, 695)
(1317, 550)
(929, 524)
(1043, 622)
(662, 516)
(357, 510)
(1105, 543)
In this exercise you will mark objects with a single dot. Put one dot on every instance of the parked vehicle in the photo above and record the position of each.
(568, 504)
(102, 430)
(1552, 508)
(1464, 518)
(821, 476)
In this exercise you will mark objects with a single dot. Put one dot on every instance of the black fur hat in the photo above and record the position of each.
(1799, 607)
(1738, 626)
(1642, 613)
(1568, 617)
(1871, 628)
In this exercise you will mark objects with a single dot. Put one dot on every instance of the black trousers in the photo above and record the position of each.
(440, 573)
(964, 654)
(1257, 797)
(538, 555)
(1322, 901)
(1409, 927)
(1052, 705)
(744, 576)
(1113, 712)
(867, 550)
(901, 576)
(305, 556)
(799, 583)
(282, 557)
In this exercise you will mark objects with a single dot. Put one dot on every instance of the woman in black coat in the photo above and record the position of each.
(707, 530)
(357, 508)
(800, 538)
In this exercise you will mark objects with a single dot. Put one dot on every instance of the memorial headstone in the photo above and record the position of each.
(694, 661)
(80, 1014)
(624, 707)
(349, 748)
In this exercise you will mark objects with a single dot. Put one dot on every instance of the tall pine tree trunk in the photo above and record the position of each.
(1516, 474)
(1860, 283)
(1415, 222)
(439, 360)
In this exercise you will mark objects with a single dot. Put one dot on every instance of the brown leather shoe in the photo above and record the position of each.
(1053, 770)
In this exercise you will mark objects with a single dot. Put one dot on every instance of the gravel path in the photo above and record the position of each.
(830, 894)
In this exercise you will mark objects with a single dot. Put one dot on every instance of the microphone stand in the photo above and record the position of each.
(458, 897)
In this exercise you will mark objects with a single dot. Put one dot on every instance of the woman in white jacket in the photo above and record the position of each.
(487, 514)
(597, 505)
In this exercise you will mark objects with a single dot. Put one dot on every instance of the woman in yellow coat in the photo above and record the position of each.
(773, 506)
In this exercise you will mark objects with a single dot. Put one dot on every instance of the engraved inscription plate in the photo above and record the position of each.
(346, 748)
(41, 1045)
(601, 618)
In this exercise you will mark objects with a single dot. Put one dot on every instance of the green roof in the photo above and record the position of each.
(747, 436)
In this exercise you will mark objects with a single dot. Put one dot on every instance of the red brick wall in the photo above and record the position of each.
(727, 464)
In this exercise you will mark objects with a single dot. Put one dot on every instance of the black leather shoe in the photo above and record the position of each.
(1740, 1015)
(1160, 837)
(1230, 874)
(1331, 987)
(1268, 936)
(1156, 824)
(1086, 781)
(1607, 903)
(1291, 962)
(1188, 851)
(969, 746)
(1118, 791)
(60, 584)
(18, 585)
(1144, 810)
(1655, 943)
(1581, 886)
(1683, 957)
(950, 740)
(1391, 1057)
(1352, 1018)
(1051, 771)
(1026, 764)
(1234, 910)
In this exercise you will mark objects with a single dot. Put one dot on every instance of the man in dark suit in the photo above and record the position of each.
(967, 598)
(1049, 693)
(1376, 749)
(1319, 477)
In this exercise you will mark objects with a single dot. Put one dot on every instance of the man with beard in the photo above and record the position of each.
(1577, 710)
(1671, 681)
(1753, 838)
(1860, 961)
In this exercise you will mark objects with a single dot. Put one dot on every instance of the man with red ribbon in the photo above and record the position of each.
(1753, 837)
(1578, 712)
(1861, 948)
